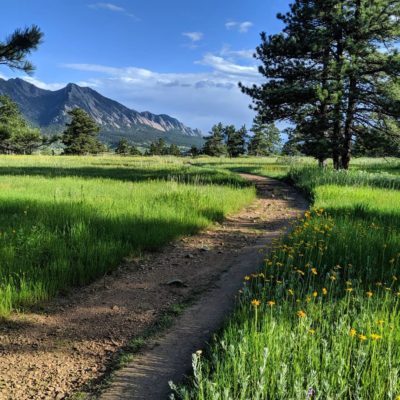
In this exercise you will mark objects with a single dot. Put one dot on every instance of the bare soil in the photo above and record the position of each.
(56, 351)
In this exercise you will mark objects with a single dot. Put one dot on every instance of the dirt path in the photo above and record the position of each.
(56, 351)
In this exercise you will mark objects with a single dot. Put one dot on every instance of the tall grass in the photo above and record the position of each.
(321, 319)
(66, 221)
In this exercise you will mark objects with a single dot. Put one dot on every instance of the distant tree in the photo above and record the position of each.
(374, 144)
(80, 135)
(291, 146)
(16, 136)
(214, 143)
(173, 150)
(235, 140)
(157, 148)
(265, 140)
(134, 151)
(26, 141)
(16, 47)
(123, 147)
(194, 151)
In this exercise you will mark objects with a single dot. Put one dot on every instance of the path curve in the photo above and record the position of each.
(169, 358)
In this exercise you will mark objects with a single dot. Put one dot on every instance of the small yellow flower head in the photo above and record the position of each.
(308, 299)
(370, 294)
(353, 332)
(255, 303)
(314, 271)
(291, 292)
(324, 291)
(311, 331)
(300, 272)
(380, 322)
(374, 336)
(332, 278)
(301, 314)
(362, 337)
(247, 278)
(315, 294)
(271, 303)
(349, 289)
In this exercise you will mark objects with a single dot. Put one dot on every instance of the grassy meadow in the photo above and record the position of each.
(321, 319)
(65, 221)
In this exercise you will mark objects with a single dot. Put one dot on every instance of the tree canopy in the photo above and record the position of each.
(16, 47)
(333, 72)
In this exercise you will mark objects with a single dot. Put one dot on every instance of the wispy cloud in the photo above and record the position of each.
(194, 36)
(199, 99)
(241, 27)
(111, 7)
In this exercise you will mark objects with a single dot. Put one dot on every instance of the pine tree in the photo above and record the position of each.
(123, 148)
(80, 135)
(173, 150)
(235, 140)
(214, 144)
(16, 136)
(18, 45)
(327, 74)
(134, 151)
(265, 140)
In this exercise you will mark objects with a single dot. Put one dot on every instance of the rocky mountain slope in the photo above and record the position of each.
(48, 110)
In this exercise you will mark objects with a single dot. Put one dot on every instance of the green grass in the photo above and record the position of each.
(65, 221)
(328, 324)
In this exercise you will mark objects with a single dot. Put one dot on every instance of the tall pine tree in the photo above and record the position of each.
(214, 143)
(80, 135)
(332, 72)
(265, 140)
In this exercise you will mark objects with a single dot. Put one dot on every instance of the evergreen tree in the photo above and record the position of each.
(80, 135)
(16, 136)
(214, 144)
(173, 150)
(123, 148)
(327, 74)
(235, 140)
(157, 148)
(16, 47)
(265, 140)
(134, 151)
(194, 151)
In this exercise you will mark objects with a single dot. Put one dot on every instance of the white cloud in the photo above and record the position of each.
(225, 66)
(198, 99)
(111, 7)
(194, 36)
(43, 85)
(241, 27)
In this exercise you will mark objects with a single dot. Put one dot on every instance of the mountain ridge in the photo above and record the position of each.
(48, 109)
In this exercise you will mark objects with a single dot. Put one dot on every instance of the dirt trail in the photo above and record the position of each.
(56, 351)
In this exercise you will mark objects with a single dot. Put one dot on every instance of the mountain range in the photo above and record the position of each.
(48, 110)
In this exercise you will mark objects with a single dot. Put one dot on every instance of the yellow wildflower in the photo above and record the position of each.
(291, 292)
(374, 336)
(314, 271)
(311, 331)
(362, 337)
(315, 294)
(255, 303)
(353, 332)
(349, 289)
(301, 314)
(271, 303)
(369, 294)
(324, 291)
(246, 278)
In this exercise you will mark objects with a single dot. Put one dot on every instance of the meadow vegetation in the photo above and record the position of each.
(65, 221)
(321, 319)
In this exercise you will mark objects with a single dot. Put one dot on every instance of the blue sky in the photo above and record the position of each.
(182, 58)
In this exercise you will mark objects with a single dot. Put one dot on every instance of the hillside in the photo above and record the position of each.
(48, 110)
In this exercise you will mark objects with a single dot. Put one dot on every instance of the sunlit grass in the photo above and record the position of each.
(65, 221)
(321, 319)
